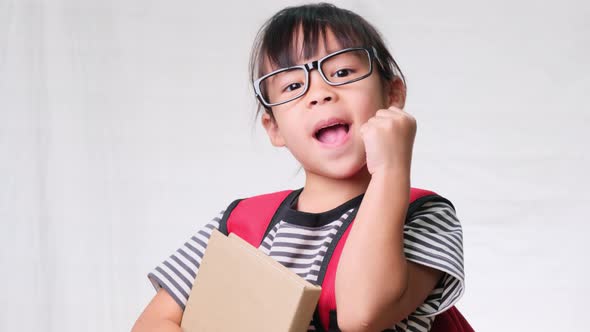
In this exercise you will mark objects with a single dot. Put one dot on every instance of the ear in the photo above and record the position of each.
(396, 91)
(272, 129)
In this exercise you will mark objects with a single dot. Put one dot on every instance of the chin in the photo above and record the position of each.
(341, 170)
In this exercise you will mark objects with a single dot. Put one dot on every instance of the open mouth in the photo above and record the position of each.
(333, 134)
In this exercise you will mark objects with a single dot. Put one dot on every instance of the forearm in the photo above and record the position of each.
(372, 272)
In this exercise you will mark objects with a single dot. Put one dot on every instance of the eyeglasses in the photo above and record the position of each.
(342, 67)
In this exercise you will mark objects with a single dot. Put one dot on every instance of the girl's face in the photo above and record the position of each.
(338, 152)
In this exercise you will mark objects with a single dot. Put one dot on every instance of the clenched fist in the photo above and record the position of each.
(389, 138)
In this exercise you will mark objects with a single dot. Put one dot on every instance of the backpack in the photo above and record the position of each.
(253, 218)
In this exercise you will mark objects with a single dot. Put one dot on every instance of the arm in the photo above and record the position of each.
(162, 314)
(375, 285)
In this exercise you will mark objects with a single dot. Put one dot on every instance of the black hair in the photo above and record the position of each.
(275, 41)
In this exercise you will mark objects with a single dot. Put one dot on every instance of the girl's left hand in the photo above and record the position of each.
(389, 140)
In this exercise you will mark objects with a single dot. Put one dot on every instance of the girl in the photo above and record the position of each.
(332, 94)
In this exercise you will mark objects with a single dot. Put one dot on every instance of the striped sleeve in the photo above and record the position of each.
(433, 237)
(177, 273)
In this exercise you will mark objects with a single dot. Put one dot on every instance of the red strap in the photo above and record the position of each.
(451, 321)
(250, 218)
(416, 193)
(327, 300)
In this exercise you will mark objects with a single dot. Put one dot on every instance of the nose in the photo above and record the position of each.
(319, 91)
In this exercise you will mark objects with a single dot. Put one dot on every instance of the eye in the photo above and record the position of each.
(292, 86)
(342, 73)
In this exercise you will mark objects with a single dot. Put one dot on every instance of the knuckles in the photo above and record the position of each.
(392, 118)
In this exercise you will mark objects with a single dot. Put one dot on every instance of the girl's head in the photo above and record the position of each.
(299, 35)
(276, 43)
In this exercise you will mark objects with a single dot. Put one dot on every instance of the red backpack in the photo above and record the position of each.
(253, 218)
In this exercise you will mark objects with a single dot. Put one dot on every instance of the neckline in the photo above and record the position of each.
(311, 219)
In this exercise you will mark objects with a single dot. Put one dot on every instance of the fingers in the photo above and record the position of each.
(389, 112)
(392, 113)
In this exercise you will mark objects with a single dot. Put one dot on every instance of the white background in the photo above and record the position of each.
(126, 125)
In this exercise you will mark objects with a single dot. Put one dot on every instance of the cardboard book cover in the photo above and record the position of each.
(239, 288)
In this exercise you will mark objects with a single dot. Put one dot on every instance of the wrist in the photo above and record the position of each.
(391, 180)
(390, 173)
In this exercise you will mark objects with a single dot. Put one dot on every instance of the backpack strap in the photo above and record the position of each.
(225, 217)
(420, 196)
(451, 321)
(324, 317)
(253, 218)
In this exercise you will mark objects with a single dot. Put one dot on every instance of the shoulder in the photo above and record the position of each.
(433, 215)
(261, 201)
(263, 206)
(425, 202)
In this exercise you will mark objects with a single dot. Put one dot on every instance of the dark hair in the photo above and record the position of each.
(275, 41)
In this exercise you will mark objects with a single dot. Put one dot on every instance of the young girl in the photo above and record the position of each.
(332, 94)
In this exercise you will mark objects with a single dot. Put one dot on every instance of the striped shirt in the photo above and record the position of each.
(432, 237)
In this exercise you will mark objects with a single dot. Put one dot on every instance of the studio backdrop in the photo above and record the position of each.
(127, 125)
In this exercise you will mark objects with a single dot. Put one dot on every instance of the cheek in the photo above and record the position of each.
(371, 94)
(290, 127)
(367, 102)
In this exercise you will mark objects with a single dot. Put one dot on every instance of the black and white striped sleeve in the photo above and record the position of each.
(177, 273)
(433, 237)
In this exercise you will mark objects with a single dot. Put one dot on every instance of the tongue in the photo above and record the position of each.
(332, 134)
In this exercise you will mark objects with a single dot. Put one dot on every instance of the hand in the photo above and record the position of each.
(389, 140)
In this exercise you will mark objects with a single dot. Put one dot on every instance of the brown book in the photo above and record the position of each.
(239, 288)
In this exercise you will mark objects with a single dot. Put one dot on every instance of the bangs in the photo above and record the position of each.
(281, 48)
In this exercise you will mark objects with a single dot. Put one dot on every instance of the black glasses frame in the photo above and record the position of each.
(317, 64)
